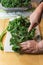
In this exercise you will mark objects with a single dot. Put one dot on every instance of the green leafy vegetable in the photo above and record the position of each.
(0, 0)
(1, 46)
(15, 3)
(1, 37)
(26, 2)
(19, 31)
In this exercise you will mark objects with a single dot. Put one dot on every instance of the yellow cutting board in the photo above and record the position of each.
(15, 58)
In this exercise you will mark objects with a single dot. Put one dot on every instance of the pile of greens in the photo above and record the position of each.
(19, 32)
(15, 3)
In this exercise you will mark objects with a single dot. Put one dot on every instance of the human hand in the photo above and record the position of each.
(29, 46)
(35, 17)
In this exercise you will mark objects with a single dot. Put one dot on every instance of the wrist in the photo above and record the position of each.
(37, 48)
(40, 46)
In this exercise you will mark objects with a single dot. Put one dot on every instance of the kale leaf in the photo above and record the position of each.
(1, 38)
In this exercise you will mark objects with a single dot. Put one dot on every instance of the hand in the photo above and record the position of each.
(29, 46)
(35, 17)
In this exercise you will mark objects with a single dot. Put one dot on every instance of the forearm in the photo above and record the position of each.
(35, 17)
(38, 13)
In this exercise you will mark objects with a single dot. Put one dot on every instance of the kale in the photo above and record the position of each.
(1, 38)
(10, 3)
(19, 32)
(15, 3)
(0, 0)
(26, 3)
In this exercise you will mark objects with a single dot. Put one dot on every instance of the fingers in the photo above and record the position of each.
(30, 28)
(25, 45)
(29, 46)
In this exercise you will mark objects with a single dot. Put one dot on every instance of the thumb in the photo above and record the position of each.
(30, 28)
